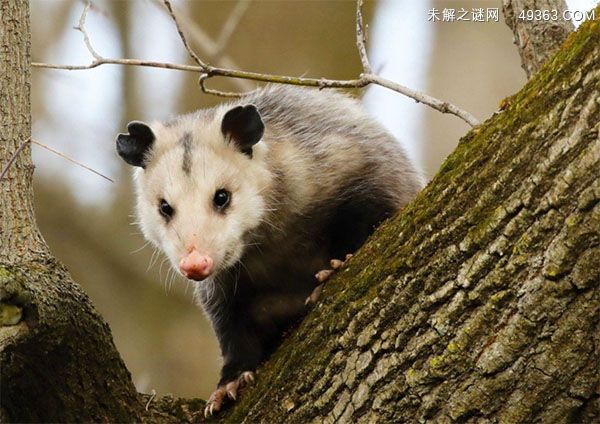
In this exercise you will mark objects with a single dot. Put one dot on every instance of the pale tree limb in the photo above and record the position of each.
(209, 71)
(361, 39)
(213, 50)
(50, 149)
(189, 49)
(81, 28)
(220, 93)
(537, 39)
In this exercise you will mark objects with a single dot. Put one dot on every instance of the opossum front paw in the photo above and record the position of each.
(322, 277)
(229, 390)
(215, 401)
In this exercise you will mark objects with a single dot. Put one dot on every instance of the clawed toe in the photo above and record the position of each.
(246, 378)
(324, 275)
(314, 296)
(230, 390)
(336, 263)
(215, 401)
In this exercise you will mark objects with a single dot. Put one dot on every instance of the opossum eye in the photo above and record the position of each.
(165, 209)
(221, 199)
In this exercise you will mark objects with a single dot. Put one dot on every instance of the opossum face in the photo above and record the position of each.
(200, 185)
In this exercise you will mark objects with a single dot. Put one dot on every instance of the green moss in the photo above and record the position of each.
(5, 275)
(522, 245)
(497, 298)
(437, 361)
(453, 347)
(573, 220)
(10, 314)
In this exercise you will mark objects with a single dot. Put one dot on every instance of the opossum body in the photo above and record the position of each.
(251, 198)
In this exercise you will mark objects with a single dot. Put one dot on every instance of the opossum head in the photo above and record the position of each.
(201, 182)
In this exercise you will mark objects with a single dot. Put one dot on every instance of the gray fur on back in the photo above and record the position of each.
(308, 117)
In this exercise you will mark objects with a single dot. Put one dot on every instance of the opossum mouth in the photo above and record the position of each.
(197, 278)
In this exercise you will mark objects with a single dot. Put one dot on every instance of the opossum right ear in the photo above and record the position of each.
(133, 147)
(244, 126)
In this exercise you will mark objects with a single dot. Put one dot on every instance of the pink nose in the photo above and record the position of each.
(196, 266)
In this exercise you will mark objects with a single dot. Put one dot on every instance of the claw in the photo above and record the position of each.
(314, 296)
(323, 275)
(247, 377)
(215, 401)
(232, 388)
(336, 263)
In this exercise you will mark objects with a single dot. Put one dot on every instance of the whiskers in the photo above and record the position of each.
(171, 276)
(155, 254)
(139, 249)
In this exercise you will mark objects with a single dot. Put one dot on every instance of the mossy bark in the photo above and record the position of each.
(480, 301)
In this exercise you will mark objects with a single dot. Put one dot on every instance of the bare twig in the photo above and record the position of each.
(208, 47)
(64, 156)
(361, 39)
(219, 93)
(81, 28)
(182, 36)
(419, 97)
(13, 158)
(230, 26)
(208, 71)
(125, 62)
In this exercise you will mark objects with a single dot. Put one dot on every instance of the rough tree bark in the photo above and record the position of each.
(537, 39)
(479, 302)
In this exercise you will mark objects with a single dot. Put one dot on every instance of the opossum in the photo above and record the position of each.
(251, 198)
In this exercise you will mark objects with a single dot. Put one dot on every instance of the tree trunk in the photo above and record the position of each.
(57, 356)
(479, 302)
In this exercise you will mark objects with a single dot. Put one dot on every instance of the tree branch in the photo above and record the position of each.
(361, 39)
(192, 53)
(70, 159)
(50, 149)
(209, 71)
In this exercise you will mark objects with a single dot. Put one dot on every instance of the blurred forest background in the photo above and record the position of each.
(163, 337)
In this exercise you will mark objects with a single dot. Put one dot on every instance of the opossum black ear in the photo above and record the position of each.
(244, 126)
(133, 147)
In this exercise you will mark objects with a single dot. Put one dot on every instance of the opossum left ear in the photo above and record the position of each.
(134, 146)
(244, 126)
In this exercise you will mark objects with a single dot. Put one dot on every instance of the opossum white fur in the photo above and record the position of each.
(321, 177)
